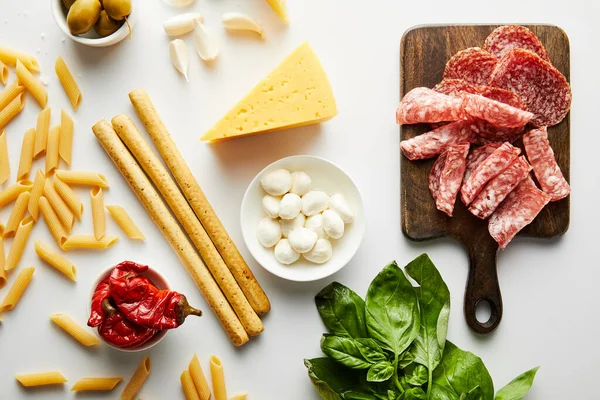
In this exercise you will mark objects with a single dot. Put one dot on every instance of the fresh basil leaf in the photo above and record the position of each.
(461, 371)
(382, 371)
(518, 387)
(414, 393)
(342, 311)
(392, 310)
(332, 380)
(392, 395)
(345, 351)
(405, 359)
(418, 376)
(434, 302)
(370, 350)
(360, 396)
(442, 393)
(474, 394)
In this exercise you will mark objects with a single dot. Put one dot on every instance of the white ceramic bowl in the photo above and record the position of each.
(325, 176)
(91, 39)
(160, 283)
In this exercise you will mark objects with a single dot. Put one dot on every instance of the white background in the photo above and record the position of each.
(549, 286)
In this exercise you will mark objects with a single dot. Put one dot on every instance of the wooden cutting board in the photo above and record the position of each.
(424, 52)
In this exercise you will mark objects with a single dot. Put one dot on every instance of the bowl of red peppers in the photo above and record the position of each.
(133, 307)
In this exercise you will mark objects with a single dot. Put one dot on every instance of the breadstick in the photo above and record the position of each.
(165, 185)
(161, 216)
(194, 195)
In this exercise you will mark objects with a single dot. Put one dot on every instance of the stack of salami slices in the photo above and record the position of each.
(489, 98)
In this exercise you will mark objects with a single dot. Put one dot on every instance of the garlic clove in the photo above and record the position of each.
(181, 24)
(242, 22)
(179, 56)
(206, 44)
(180, 3)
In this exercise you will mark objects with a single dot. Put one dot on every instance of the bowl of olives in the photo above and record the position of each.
(96, 23)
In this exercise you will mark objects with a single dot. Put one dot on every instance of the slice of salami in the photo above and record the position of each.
(473, 65)
(484, 132)
(487, 170)
(498, 114)
(430, 144)
(435, 174)
(455, 87)
(543, 88)
(426, 105)
(545, 168)
(477, 156)
(518, 210)
(451, 177)
(503, 96)
(498, 188)
(509, 37)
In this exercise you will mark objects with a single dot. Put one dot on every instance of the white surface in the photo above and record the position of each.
(550, 287)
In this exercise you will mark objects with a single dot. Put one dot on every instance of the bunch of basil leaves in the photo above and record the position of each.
(392, 346)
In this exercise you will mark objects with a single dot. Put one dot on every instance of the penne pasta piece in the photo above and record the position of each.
(41, 133)
(78, 332)
(10, 93)
(12, 192)
(65, 142)
(56, 260)
(12, 109)
(17, 289)
(26, 159)
(17, 214)
(239, 396)
(199, 379)
(18, 245)
(96, 384)
(82, 178)
(69, 197)
(64, 214)
(10, 57)
(98, 215)
(4, 164)
(41, 379)
(54, 225)
(125, 222)
(137, 380)
(68, 82)
(188, 386)
(36, 192)
(52, 149)
(88, 242)
(2, 259)
(32, 84)
(218, 378)
(3, 73)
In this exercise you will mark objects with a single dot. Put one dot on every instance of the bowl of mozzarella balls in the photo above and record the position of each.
(302, 218)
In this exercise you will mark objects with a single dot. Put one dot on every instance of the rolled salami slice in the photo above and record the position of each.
(426, 105)
(508, 37)
(545, 168)
(430, 144)
(473, 65)
(498, 188)
(484, 132)
(447, 175)
(477, 156)
(435, 174)
(496, 113)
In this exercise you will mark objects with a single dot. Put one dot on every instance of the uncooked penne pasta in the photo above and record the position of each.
(10, 57)
(199, 379)
(41, 133)
(239, 396)
(52, 149)
(218, 378)
(88, 242)
(188, 386)
(98, 215)
(12, 109)
(68, 82)
(137, 380)
(52, 221)
(13, 191)
(41, 379)
(4, 164)
(36, 192)
(125, 222)
(32, 84)
(64, 214)
(18, 245)
(56, 260)
(95, 384)
(10, 92)
(17, 289)
(26, 159)
(82, 178)
(17, 214)
(3, 73)
(65, 144)
(2, 259)
(69, 196)
(78, 332)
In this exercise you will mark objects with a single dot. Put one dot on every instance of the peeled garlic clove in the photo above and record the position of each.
(180, 3)
(241, 22)
(206, 44)
(179, 56)
(181, 24)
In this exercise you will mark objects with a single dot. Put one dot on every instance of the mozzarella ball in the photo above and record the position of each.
(314, 202)
(302, 239)
(338, 203)
(290, 206)
(301, 183)
(268, 232)
(284, 253)
(270, 205)
(315, 224)
(321, 253)
(288, 225)
(333, 225)
(277, 183)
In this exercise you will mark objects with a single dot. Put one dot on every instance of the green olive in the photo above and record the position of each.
(106, 25)
(117, 9)
(82, 16)
(68, 3)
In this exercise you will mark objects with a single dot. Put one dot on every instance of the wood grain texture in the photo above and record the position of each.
(424, 52)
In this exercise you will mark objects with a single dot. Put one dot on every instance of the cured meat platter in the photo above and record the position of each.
(424, 53)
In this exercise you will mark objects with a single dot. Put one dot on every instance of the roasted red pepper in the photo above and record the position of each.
(119, 331)
(102, 292)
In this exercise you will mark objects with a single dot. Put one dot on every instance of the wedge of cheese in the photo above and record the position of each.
(280, 9)
(296, 93)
